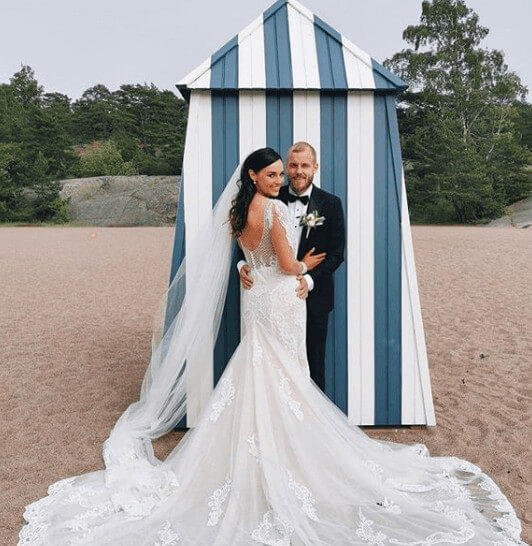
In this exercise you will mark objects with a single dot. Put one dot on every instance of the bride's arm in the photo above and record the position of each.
(283, 250)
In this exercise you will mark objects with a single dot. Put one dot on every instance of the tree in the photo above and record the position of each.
(104, 158)
(34, 148)
(458, 118)
(94, 115)
(12, 203)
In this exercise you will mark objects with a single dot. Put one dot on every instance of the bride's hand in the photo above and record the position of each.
(302, 289)
(312, 260)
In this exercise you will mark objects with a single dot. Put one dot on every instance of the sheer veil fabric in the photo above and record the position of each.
(271, 460)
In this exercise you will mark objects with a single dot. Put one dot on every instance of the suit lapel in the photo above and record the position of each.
(305, 243)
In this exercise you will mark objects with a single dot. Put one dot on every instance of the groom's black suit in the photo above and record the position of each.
(329, 238)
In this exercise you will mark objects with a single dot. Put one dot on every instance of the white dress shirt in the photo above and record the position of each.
(295, 210)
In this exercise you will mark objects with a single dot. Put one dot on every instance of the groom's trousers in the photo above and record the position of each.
(316, 338)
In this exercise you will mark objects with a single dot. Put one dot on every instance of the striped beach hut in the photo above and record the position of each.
(289, 76)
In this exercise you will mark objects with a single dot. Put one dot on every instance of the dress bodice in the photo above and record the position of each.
(264, 254)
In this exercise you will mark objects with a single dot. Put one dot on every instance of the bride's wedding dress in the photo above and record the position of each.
(272, 461)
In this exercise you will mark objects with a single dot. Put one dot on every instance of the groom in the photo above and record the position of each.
(327, 240)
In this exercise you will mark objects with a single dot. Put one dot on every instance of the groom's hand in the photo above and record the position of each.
(302, 289)
(245, 279)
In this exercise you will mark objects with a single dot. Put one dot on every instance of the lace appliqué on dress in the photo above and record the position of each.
(168, 536)
(216, 502)
(366, 532)
(225, 397)
(273, 530)
(254, 448)
(374, 467)
(286, 394)
(304, 495)
(32, 533)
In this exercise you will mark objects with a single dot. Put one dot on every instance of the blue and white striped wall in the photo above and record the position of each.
(287, 77)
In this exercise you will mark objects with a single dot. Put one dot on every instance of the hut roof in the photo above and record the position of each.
(288, 47)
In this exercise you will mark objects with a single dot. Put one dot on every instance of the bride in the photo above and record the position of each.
(271, 460)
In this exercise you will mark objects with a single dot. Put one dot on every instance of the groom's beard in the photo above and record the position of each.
(308, 183)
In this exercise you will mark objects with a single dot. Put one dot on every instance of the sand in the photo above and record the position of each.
(76, 318)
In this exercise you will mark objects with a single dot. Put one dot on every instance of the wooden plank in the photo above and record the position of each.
(358, 66)
(303, 48)
(387, 275)
(307, 122)
(330, 56)
(252, 120)
(251, 56)
(225, 158)
(360, 258)
(258, 69)
(427, 413)
(197, 199)
(333, 128)
(297, 50)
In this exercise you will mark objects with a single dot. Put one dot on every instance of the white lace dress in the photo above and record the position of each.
(273, 461)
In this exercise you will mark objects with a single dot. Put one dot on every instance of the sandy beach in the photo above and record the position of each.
(76, 319)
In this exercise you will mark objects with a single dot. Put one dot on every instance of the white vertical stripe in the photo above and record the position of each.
(422, 408)
(358, 66)
(258, 66)
(252, 135)
(252, 119)
(409, 360)
(251, 68)
(301, 9)
(297, 52)
(304, 56)
(244, 62)
(307, 121)
(197, 195)
(360, 258)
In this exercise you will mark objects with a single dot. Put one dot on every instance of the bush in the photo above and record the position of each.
(103, 159)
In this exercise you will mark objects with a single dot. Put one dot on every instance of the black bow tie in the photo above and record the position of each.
(293, 198)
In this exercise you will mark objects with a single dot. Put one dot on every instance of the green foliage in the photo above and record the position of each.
(103, 158)
(45, 137)
(464, 135)
(147, 125)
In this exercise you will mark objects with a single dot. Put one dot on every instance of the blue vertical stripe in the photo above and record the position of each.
(387, 302)
(277, 56)
(330, 56)
(279, 121)
(333, 160)
(394, 265)
(178, 255)
(224, 66)
(279, 105)
(225, 158)
(178, 252)
(384, 79)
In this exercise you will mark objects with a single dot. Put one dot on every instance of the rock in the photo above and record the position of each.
(122, 200)
(518, 214)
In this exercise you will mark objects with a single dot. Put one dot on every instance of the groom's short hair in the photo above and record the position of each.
(301, 146)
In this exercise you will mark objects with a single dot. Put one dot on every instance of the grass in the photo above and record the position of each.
(45, 224)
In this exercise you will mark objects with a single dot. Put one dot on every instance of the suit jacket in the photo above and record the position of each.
(329, 238)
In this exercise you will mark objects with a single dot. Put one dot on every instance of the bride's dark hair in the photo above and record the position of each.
(255, 161)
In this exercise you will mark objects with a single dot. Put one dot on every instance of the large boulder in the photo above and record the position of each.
(122, 200)
(518, 214)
